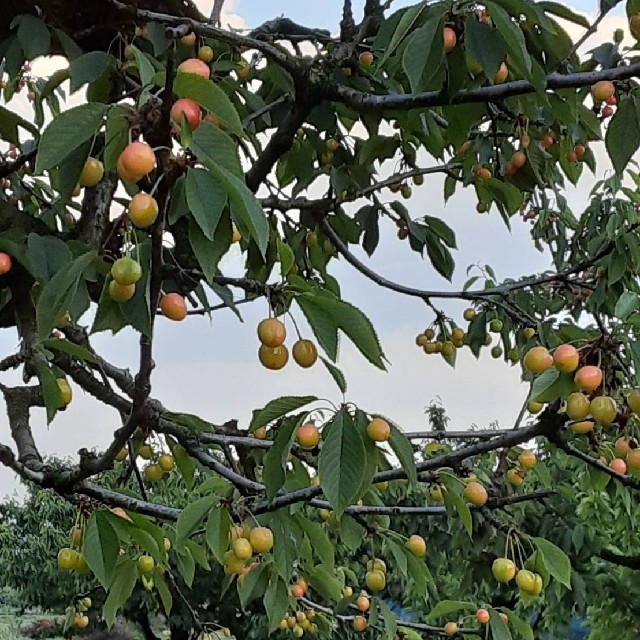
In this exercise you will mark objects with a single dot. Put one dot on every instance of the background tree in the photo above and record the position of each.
(194, 138)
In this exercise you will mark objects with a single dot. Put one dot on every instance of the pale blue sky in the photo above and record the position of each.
(326, 14)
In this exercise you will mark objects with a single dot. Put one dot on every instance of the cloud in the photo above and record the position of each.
(229, 18)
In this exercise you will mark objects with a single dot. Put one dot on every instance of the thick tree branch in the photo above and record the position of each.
(630, 562)
(19, 400)
(281, 140)
(367, 103)
(161, 138)
(115, 499)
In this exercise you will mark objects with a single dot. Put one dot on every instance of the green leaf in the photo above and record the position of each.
(275, 460)
(276, 601)
(9, 123)
(388, 619)
(286, 258)
(210, 253)
(217, 532)
(445, 607)
(33, 35)
(351, 533)
(206, 198)
(325, 582)
(404, 452)
(184, 462)
(336, 374)
(453, 499)
(484, 46)
(145, 68)
(164, 593)
(245, 209)
(623, 133)
(50, 389)
(497, 626)
(341, 463)
(563, 11)
(191, 517)
(211, 97)
(521, 627)
(70, 348)
(67, 132)
(199, 553)
(218, 147)
(423, 60)
(551, 385)
(254, 585)
(46, 255)
(116, 136)
(57, 294)
(326, 314)
(512, 35)
(101, 547)
(277, 408)
(186, 566)
(626, 304)
(89, 68)
(120, 590)
(407, 21)
(555, 560)
(419, 572)
(320, 543)
(190, 421)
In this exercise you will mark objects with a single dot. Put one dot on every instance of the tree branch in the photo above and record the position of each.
(367, 103)
(630, 562)
(276, 54)
(569, 449)
(19, 400)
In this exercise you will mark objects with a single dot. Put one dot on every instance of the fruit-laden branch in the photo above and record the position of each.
(115, 499)
(367, 103)
(278, 55)
(630, 562)
(547, 423)
(91, 465)
(240, 482)
(471, 294)
(398, 510)
(418, 626)
(569, 449)
(329, 204)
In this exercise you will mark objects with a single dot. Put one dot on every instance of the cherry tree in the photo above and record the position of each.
(194, 139)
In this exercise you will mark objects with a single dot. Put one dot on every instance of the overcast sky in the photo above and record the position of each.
(212, 369)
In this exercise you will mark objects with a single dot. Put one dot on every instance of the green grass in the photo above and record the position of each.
(11, 623)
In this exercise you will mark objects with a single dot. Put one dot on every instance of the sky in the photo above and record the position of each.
(211, 368)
